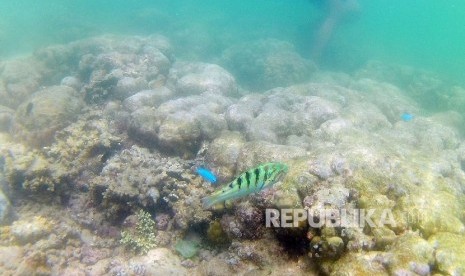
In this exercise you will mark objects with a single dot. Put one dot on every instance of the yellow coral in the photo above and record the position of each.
(142, 238)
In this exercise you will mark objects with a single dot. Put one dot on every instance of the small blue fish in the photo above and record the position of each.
(206, 174)
(406, 117)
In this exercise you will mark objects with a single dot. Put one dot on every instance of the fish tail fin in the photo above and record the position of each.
(208, 201)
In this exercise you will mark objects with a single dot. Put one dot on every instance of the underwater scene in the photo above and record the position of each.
(215, 137)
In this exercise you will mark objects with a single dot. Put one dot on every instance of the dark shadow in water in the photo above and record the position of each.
(294, 241)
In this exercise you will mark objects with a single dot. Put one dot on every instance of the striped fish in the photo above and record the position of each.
(251, 181)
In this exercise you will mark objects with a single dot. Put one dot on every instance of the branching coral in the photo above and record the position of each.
(142, 238)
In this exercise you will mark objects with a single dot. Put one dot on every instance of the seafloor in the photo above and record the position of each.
(100, 139)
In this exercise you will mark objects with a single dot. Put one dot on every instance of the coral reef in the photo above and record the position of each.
(29, 170)
(6, 118)
(148, 98)
(428, 89)
(215, 233)
(31, 231)
(410, 253)
(224, 151)
(136, 177)
(108, 66)
(430, 217)
(206, 115)
(265, 64)
(197, 78)
(100, 140)
(158, 261)
(179, 126)
(56, 167)
(46, 111)
(280, 113)
(246, 223)
(356, 263)
(18, 79)
(448, 252)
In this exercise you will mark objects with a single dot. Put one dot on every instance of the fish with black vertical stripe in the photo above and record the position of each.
(251, 181)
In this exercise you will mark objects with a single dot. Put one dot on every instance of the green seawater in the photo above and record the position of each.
(429, 34)
(424, 34)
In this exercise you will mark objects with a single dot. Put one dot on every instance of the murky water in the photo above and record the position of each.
(426, 34)
(158, 137)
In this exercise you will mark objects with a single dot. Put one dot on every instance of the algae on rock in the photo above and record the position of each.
(449, 252)
(410, 253)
